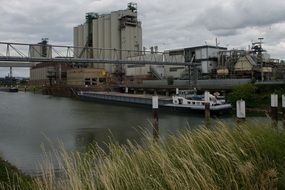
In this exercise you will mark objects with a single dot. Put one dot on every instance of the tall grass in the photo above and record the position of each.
(218, 158)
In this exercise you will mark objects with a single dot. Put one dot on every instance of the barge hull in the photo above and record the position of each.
(142, 102)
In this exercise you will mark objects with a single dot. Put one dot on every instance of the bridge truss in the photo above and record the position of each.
(23, 53)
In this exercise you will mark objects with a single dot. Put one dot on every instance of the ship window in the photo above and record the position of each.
(189, 102)
(180, 101)
(194, 103)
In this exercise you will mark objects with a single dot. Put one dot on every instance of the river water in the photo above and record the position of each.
(29, 122)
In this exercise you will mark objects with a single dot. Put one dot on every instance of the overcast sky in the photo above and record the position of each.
(167, 24)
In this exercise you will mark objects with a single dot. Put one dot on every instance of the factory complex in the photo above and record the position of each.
(119, 34)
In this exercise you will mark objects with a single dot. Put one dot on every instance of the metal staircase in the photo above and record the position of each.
(156, 73)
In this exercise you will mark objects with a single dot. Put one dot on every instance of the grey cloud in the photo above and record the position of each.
(237, 14)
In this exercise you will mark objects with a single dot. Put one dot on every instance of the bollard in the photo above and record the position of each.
(240, 111)
(207, 107)
(25, 88)
(155, 118)
(34, 89)
(126, 90)
(274, 109)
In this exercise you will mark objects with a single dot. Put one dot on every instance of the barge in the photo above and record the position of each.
(175, 103)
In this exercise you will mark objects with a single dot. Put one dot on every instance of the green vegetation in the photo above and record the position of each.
(255, 96)
(30, 88)
(12, 178)
(245, 92)
(249, 156)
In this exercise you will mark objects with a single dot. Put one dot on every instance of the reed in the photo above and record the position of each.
(219, 158)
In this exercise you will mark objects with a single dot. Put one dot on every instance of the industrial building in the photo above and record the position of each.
(48, 74)
(118, 36)
(42, 49)
(206, 56)
(87, 77)
(254, 63)
(118, 30)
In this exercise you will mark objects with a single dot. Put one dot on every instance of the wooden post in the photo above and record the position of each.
(241, 111)
(207, 107)
(25, 88)
(34, 89)
(274, 109)
(155, 118)
(283, 106)
(283, 109)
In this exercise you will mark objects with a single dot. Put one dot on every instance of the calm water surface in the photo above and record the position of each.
(28, 122)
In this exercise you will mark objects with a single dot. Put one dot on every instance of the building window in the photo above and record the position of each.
(102, 80)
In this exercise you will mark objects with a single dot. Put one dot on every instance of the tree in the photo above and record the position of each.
(245, 92)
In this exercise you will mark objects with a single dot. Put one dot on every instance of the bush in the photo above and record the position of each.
(245, 92)
(12, 178)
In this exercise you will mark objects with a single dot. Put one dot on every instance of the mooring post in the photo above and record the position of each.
(177, 91)
(126, 90)
(34, 89)
(207, 107)
(155, 118)
(240, 111)
(274, 109)
(167, 93)
(25, 88)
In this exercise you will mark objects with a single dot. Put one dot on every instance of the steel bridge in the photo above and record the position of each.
(27, 55)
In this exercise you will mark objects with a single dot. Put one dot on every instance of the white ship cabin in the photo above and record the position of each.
(179, 100)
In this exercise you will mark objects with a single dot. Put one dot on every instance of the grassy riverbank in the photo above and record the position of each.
(249, 156)
(12, 178)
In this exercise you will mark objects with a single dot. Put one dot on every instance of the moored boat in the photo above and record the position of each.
(174, 103)
(8, 89)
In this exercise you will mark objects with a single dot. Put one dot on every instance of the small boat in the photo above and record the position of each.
(175, 103)
(8, 89)
(13, 89)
